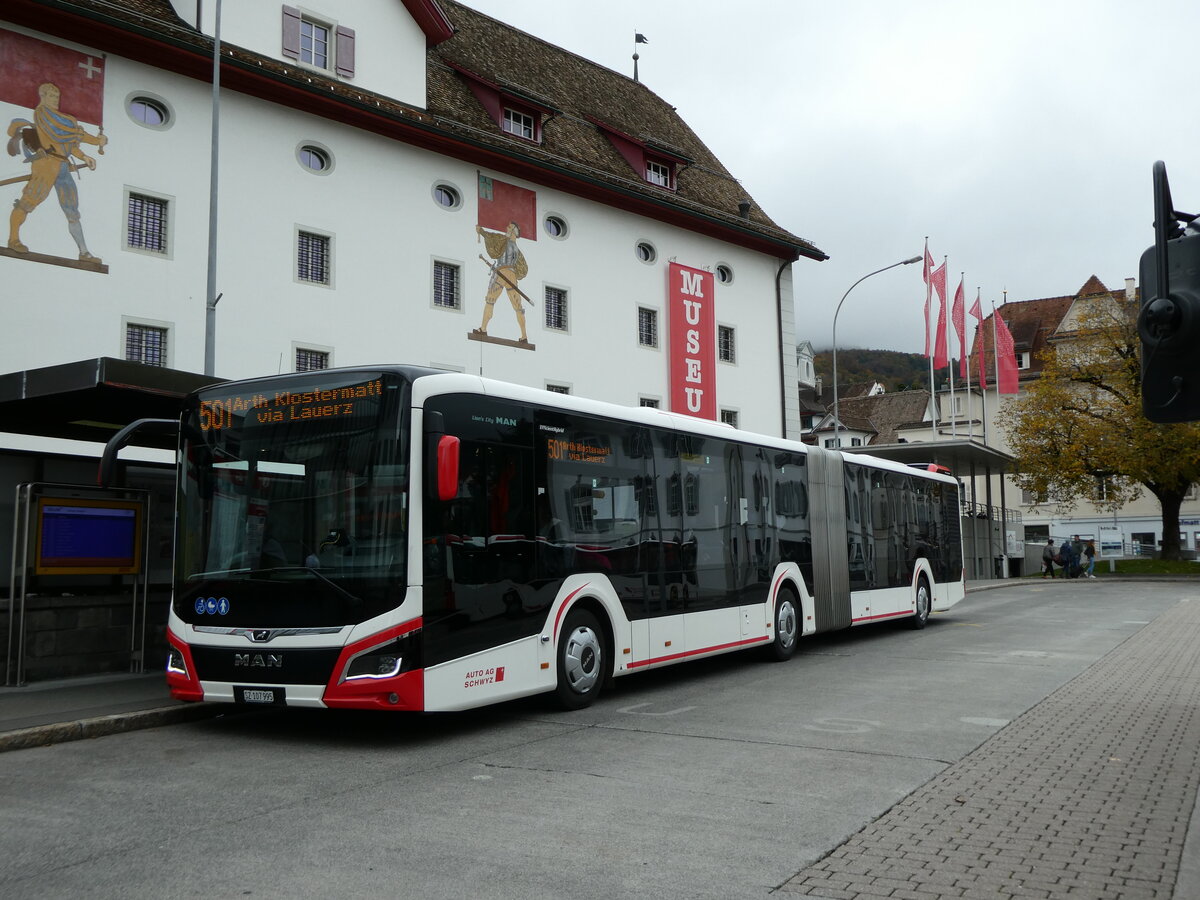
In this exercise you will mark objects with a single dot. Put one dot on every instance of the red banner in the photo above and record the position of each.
(501, 203)
(26, 63)
(693, 356)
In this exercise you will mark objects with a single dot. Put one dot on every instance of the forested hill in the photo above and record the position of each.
(896, 371)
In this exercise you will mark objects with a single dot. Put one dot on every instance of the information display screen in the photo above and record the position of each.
(266, 408)
(88, 536)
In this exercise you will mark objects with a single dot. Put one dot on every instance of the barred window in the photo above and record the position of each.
(730, 417)
(647, 327)
(146, 223)
(311, 360)
(146, 344)
(649, 402)
(312, 257)
(725, 345)
(556, 309)
(446, 291)
(558, 389)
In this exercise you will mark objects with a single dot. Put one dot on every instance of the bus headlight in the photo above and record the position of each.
(176, 663)
(382, 663)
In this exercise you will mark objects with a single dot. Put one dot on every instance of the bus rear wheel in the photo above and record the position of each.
(787, 626)
(924, 600)
(581, 661)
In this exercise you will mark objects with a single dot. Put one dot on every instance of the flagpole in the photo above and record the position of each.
(950, 358)
(970, 417)
(928, 346)
(996, 351)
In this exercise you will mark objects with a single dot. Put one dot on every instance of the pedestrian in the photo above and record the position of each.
(1064, 557)
(1048, 558)
(1089, 553)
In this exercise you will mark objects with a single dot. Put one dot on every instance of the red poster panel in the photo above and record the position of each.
(26, 63)
(501, 203)
(693, 336)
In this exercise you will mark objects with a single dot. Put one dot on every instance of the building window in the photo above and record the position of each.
(558, 388)
(312, 258)
(855, 442)
(1023, 359)
(724, 274)
(446, 285)
(556, 309)
(317, 43)
(730, 417)
(647, 327)
(725, 346)
(315, 159)
(308, 360)
(447, 196)
(555, 226)
(518, 123)
(146, 223)
(146, 344)
(648, 402)
(658, 173)
(645, 251)
(149, 112)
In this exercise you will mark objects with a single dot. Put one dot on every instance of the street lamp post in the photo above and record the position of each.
(837, 420)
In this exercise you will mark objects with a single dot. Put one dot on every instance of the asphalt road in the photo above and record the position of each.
(719, 779)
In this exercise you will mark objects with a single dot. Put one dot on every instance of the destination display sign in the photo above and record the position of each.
(264, 408)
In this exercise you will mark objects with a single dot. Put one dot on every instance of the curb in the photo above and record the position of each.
(99, 726)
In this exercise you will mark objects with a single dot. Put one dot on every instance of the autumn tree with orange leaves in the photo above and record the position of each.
(1081, 425)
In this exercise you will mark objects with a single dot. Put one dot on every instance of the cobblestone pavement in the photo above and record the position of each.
(1087, 795)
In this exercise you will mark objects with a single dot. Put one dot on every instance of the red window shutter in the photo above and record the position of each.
(345, 51)
(291, 32)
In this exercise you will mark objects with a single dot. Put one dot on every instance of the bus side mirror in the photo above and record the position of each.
(447, 467)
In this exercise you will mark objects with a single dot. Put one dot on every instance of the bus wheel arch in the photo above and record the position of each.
(583, 656)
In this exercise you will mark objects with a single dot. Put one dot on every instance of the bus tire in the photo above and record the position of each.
(581, 660)
(924, 600)
(787, 626)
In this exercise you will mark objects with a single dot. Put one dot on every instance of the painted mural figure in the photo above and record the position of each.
(509, 268)
(49, 143)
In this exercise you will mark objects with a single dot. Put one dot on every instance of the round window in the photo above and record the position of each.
(555, 226)
(446, 196)
(646, 252)
(724, 274)
(148, 112)
(314, 158)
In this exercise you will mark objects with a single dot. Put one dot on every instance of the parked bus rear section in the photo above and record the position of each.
(410, 539)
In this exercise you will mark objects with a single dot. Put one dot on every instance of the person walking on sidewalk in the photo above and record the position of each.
(1065, 557)
(1048, 558)
(1089, 553)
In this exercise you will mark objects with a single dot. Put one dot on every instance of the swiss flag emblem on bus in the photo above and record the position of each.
(499, 674)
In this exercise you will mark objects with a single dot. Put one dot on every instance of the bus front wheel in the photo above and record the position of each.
(924, 600)
(581, 661)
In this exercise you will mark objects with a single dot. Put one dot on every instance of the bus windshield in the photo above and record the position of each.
(293, 501)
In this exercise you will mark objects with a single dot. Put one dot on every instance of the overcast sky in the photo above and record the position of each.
(1018, 136)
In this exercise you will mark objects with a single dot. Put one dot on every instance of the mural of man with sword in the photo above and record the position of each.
(509, 268)
(49, 143)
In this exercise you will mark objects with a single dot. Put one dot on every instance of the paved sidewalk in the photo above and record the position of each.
(1089, 794)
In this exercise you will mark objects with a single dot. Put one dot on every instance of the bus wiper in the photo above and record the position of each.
(345, 594)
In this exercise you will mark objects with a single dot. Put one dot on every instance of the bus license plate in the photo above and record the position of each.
(268, 696)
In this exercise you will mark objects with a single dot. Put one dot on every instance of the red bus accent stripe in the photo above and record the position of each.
(563, 608)
(907, 612)
(684, 655)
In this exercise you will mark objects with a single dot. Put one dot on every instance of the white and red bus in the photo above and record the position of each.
(411, 539)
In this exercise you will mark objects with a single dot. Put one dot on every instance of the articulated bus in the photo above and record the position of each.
(411, 539)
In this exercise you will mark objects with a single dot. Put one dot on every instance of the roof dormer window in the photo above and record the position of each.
(658, 172)
(514, 110)
(317, 43)
(519, 123)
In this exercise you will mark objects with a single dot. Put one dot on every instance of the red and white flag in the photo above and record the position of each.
(940, 352)
(928, 268)
(977, 311)
(28, 63)
(1006, 358)
(958, 315)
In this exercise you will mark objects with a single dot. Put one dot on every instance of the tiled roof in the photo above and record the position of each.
(574, 153)
(1033, 324)
(887, 412)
